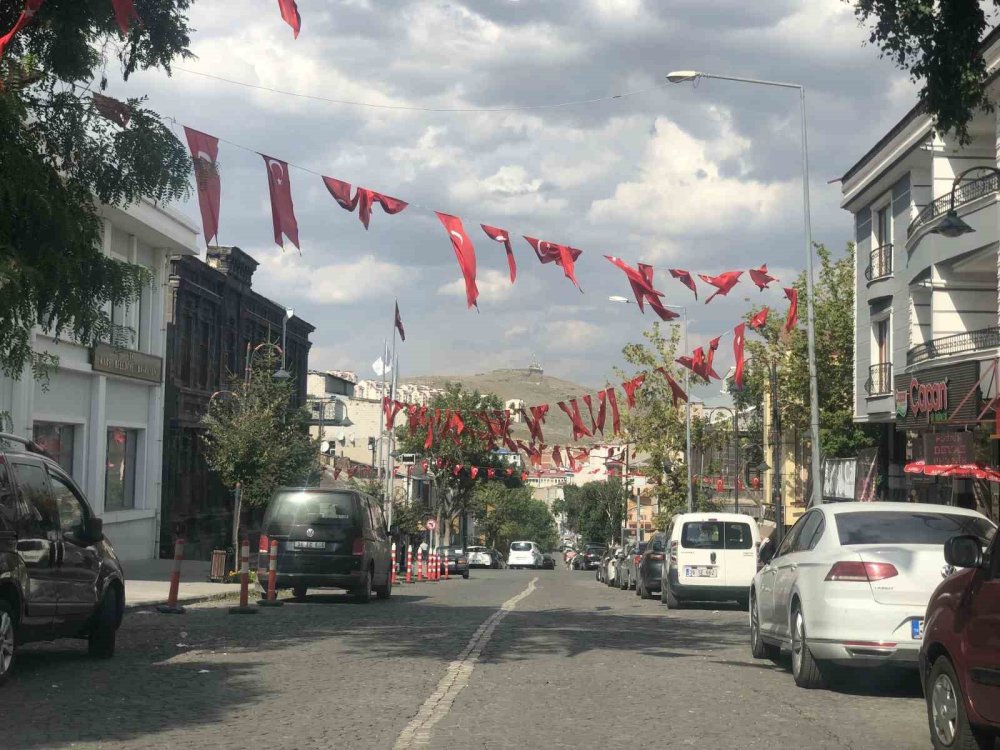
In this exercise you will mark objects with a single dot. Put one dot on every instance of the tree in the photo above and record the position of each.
(256, 437)
(840, 436)
(939, 43)
(59, 157)
(453, 493)
(595, 510)
(506, 514)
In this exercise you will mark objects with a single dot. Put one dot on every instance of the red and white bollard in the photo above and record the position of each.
(436, 565)
(446, 565)
(272, 600)
(244, 608)
(409, 563)
(420, 565)
(171, 608)
(395, 578)
(430, 566)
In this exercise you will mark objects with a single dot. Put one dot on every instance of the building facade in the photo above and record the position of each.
(926, 307)
(214, 321)
(100, 414)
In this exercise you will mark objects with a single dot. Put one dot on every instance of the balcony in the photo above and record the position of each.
(959, 343)
(964, 193)
(879, 263)
(879, 381)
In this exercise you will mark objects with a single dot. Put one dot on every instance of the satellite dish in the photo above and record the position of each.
(340, 436)
(324, 447)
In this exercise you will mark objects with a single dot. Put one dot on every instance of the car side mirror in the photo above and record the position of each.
(964, 552)
(95, 530)
(766, 554)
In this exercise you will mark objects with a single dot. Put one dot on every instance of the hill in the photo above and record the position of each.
(531, 387)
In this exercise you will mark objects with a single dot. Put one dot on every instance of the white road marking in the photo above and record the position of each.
(418, 732)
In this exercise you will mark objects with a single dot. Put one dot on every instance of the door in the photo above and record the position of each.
(701, 558)
(786, 568)
(740, 554)
(80, 564)
(378, 541)
(37, 541)
(983, 634)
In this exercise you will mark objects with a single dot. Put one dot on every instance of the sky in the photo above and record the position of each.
(705, 177)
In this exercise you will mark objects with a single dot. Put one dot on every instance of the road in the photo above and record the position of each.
(493, 662)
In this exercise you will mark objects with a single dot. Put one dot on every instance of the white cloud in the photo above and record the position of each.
(493, 286)
(571, 335)
(333, 284)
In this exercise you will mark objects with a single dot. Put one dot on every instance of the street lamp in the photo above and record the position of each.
(951, 226)
(284, 374)
(687, 403)
(683, 76)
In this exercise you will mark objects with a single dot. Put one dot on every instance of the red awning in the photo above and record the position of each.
(957, 471)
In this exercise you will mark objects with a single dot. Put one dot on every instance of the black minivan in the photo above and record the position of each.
(328, 537)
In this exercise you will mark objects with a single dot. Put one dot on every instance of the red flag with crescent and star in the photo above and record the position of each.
(204, 155)
(562, 255)
(465, 254)
(793, 309)
(125, 13)
(282, 210)
(399, 324)
(738, 340)
(503, 236)
(30, 9)
(759, 320)
(761, 277)
(723, 283)
(363, 199)
(290, 15)
(685, 278)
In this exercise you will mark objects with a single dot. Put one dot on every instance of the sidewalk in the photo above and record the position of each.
(147, 582)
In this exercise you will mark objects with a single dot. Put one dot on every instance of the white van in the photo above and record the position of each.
(524, 555)
(713, 558)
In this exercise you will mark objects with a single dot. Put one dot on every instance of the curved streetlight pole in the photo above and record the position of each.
(951, 226)
(683, 76)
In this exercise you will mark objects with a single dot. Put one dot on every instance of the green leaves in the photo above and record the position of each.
(595, 510)
(506, 514)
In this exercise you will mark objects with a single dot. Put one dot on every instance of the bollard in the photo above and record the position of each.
(171, 608)
(435, 566)
(244, 608)
(409, 563)
(272, 600)
(446, 565)
(395, 578)
(420, 565)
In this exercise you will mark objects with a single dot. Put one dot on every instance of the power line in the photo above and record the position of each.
(373, 105)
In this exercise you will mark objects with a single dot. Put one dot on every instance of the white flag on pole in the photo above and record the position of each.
(381, 367)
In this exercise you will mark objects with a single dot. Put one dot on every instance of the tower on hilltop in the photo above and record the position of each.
(535, 368)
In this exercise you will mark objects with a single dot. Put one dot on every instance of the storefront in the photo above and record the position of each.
(950, 453)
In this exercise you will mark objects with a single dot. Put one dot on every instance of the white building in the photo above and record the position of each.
(101, 413)
(926, 311)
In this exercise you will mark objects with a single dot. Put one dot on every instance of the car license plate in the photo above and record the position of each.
(310, 545)
(700, 571)
(917, 629)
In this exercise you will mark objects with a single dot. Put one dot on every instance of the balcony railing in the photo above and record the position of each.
(879, 262)
(879, 381)
(964, 193)
(959, 343)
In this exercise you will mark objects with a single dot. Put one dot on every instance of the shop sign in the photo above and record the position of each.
(948, 448)
(127, 363)
(938, 395)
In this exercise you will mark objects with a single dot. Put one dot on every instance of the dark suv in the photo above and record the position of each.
(329, 537)
(59, 577)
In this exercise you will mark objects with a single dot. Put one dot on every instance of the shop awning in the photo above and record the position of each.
(957, 471)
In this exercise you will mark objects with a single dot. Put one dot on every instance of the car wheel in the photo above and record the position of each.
(299, 592)
(384, 592)
(758, 648)
(668, 598)
(8, 639)
(363, 593)
(950, 728)
(101, 639)
(642, 590)
(805, 669)
(465, 574)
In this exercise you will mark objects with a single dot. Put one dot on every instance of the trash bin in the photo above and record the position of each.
(218, 573)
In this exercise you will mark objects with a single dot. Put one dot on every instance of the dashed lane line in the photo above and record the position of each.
(418, 732)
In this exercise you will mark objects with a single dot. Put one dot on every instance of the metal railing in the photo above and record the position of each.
(959, 343)
(879, 262)
(964, 193)
(879, 381)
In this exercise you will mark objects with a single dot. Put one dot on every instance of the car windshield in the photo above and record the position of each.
(296, 508)
(716, 535)
(454, 549)
(520, 547)
(909, 527)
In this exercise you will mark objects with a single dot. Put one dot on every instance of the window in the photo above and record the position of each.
(8, 503)
(119, 481)
(716, 535)
(811, 522)
(883, 226)
(908, 527)
(37, 500)
(58, 441)
(72, 517)
(881, 332)
(788, 542)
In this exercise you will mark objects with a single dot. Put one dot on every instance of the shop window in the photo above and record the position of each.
(119, 483)
(58, 440)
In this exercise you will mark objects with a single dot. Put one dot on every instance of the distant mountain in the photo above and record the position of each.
(531, 387)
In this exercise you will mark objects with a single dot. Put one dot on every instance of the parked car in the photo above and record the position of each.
(611, 574)
(602, 565)
(589, 557)
(458, 560)
(960, 651)
(328, 537)
(850, 583)
(479, 557)
(628, 566)
(712, 558)
(548, 561)
(524, 554)
(650, 568)
(499, 563)
(59, 576)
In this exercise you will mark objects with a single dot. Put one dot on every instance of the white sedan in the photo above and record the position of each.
(480, 557)
(850, 582)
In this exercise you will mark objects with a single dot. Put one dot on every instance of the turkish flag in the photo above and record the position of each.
(738, 334)
(363, 199)
(573, 412)
(399, 324)
(761, 277)
(685, 278)
(282, 210)
(290, 15)
(630, 387)
(465, 253)
(616, 422)
(125, 13)
(30, 8)
(204, 155)
(502, 235)
(562, 255)
(793, 309)
(723, 282)
(759, 320)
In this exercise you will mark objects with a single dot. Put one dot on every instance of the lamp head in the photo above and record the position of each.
(282, 375)
(289, 312)
(952, 226)
(682, 76)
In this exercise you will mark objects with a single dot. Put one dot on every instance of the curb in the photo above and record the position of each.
(184, 600)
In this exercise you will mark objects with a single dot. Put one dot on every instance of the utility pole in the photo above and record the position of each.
(776, 438)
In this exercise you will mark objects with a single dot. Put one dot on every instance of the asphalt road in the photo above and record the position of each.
(492, 662)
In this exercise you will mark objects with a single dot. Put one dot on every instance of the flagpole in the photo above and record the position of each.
(385, 395)
(390, 462)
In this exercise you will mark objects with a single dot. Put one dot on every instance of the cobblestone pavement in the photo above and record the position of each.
(571, 663)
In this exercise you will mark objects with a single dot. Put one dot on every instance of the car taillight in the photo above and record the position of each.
(852, 570)
(264, 547)
(636, 559)
(673, 552)
(655, 555)
(358, 547)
